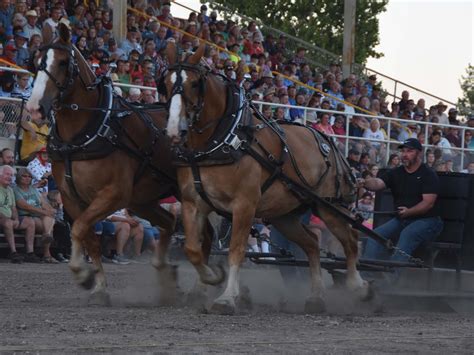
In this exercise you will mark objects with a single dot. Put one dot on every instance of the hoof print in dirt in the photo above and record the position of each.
(314, 305)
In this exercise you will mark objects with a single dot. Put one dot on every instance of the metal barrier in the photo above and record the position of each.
(10, 109)
(460, 154)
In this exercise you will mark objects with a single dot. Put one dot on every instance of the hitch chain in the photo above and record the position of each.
(411, 259)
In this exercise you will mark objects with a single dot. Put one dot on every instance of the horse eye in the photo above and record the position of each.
(195, 84)
(63, 63)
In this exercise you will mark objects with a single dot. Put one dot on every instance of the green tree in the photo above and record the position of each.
(320, 22)
(466, 102)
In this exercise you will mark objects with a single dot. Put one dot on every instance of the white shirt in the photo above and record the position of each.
(378, 134)
(38, 170)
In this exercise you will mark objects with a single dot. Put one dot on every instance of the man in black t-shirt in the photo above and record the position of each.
(415, 188)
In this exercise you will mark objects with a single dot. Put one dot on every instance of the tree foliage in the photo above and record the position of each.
(320, 22)
(466, 102)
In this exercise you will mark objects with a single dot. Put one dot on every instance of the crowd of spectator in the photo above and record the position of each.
(266, 66)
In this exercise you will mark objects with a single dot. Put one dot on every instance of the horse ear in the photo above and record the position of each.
(196, 57)
(47, 34)
(64, 32)
(171, 52)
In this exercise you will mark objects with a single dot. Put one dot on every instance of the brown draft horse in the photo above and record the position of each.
(134, 174)
(197, 104)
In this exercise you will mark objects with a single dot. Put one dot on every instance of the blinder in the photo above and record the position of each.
(193, 111)
(71, 72)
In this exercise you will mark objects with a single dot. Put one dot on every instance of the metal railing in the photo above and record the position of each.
(460, 155)
(10, 109)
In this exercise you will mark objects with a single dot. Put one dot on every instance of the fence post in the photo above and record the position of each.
(17, 135)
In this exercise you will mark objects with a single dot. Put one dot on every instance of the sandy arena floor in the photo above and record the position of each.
(43, 311)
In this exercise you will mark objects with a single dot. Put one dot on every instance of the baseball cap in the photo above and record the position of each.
(32, 13)
(411, 143)
(10, 47)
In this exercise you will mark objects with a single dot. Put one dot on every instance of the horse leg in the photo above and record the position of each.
(99, 295)
(167, 274)
(348, 238)
(197, 297)
(83, 236)
(291, 227)
(242, 219)
(194, 222)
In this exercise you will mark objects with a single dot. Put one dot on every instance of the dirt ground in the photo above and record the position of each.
(43, 311)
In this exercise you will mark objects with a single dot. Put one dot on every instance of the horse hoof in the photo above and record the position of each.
(223, 306)
(366, 293)
(315, 305)
(100, 298)
(218, 275)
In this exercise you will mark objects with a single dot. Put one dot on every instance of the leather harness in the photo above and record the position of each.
(234, 137)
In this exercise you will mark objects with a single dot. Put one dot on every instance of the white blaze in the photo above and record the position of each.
(176, 106)
(40, 84)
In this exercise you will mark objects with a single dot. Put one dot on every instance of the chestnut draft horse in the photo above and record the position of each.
(107, 154)
(241, 165)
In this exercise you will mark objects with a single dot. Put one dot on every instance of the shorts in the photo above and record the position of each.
(104, 228)
(150, 234)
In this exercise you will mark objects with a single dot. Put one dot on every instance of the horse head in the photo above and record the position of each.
(185, 84)
(57, 65)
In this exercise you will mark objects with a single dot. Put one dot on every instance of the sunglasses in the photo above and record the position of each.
(27, 176)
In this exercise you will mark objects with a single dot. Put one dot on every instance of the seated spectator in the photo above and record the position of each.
(376, 149)
(8, 157)
(339, 128)
(393, 161)
(10, 221)
(125, 228)
(41, 170)
(22, 88)
(7, 83)
(430, 159)
(364, 162)
(324, 125)
(297, 114)
(439, 141)
(32, 205)
(442, 117)
(61, 229)
(469, 168)
(453, 137)
(31, 27)
(353, 159)
(9, 53)
(357, 126)
(365, 208)
(22, 54)
(34, 137)
(131, 42)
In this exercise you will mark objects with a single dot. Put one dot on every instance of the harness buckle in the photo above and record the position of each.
(104, 131)
(234, 141)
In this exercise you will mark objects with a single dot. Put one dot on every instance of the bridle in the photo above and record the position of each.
(71, 73)
(193, 111)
